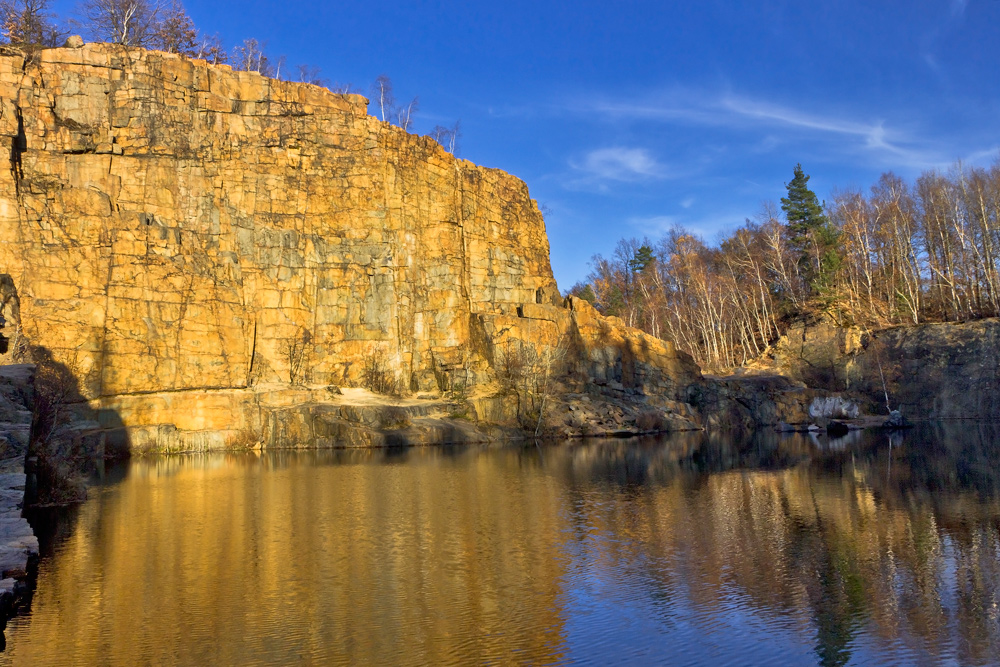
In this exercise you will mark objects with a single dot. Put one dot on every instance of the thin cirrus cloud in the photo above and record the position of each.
(619, 164)
(867, 140)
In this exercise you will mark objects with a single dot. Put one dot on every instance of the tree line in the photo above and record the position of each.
(164, 25)
(900, 253)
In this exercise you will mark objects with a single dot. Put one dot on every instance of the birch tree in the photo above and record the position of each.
(125, 22)
(383, 98)
(250, 57)
(447, 136)
(384, 102)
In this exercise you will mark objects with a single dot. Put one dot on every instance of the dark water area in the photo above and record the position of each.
(688, 549)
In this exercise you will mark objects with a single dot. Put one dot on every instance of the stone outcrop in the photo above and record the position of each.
(814, 352)
(206, 249)
(930, 371)
(937, 371)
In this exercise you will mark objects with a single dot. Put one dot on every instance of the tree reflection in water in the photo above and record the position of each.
(784, 548)
(891, 533)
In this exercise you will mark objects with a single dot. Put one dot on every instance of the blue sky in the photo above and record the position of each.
(626, 117)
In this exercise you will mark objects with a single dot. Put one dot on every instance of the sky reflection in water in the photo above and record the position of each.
(691, 549)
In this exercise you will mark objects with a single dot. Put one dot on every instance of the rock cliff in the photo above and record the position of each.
(929, 371)
(197, 245)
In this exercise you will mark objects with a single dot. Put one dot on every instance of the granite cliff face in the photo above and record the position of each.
(198, 244)
(172, 226)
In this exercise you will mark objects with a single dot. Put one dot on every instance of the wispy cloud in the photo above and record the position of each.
(958, 8)
(866, 138)
(599, 168)
(871, 136)
(779, 115)
(620, 164)
(986, 156)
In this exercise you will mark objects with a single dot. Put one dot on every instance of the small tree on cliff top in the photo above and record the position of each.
(175, 32)
(28, 23)
(447, 136)
(210, 48)
(125, 22)
(384, 102)
(250, 56)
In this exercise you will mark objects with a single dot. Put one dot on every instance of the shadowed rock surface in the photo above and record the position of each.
(930, 371)
(18, 544)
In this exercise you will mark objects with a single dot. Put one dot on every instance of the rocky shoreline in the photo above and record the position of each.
(18, 544)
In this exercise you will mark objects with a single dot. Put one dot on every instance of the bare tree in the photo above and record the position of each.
(344, 89)
(377, 374)
(382, 97)
(447, 136)
(296, 354)
(125, 22)
(250, 57)
(28, 23)
(386, 107)
(525, 372)
(210, 48)
(175, 31)
(310, 74)
(404, 114)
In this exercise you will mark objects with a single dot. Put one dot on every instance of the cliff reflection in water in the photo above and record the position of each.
(694, 548)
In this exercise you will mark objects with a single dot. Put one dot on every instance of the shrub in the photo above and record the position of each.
(377, 375)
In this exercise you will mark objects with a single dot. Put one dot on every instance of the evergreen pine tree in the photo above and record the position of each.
(801, 207)
(642, 258)
(810, 233)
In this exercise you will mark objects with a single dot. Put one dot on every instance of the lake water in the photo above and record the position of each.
(688, 549)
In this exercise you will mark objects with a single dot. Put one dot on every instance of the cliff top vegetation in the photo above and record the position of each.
(900, 253)
(164, 25)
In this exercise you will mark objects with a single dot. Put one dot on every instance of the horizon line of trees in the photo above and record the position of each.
(901, 253)
(164, 25)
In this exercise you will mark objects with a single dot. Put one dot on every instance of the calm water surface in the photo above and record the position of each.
(683, 550)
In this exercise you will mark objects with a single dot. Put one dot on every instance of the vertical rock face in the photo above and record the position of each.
(172, 226)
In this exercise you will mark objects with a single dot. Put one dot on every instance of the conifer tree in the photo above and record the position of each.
(642, 258)
(810, 233)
